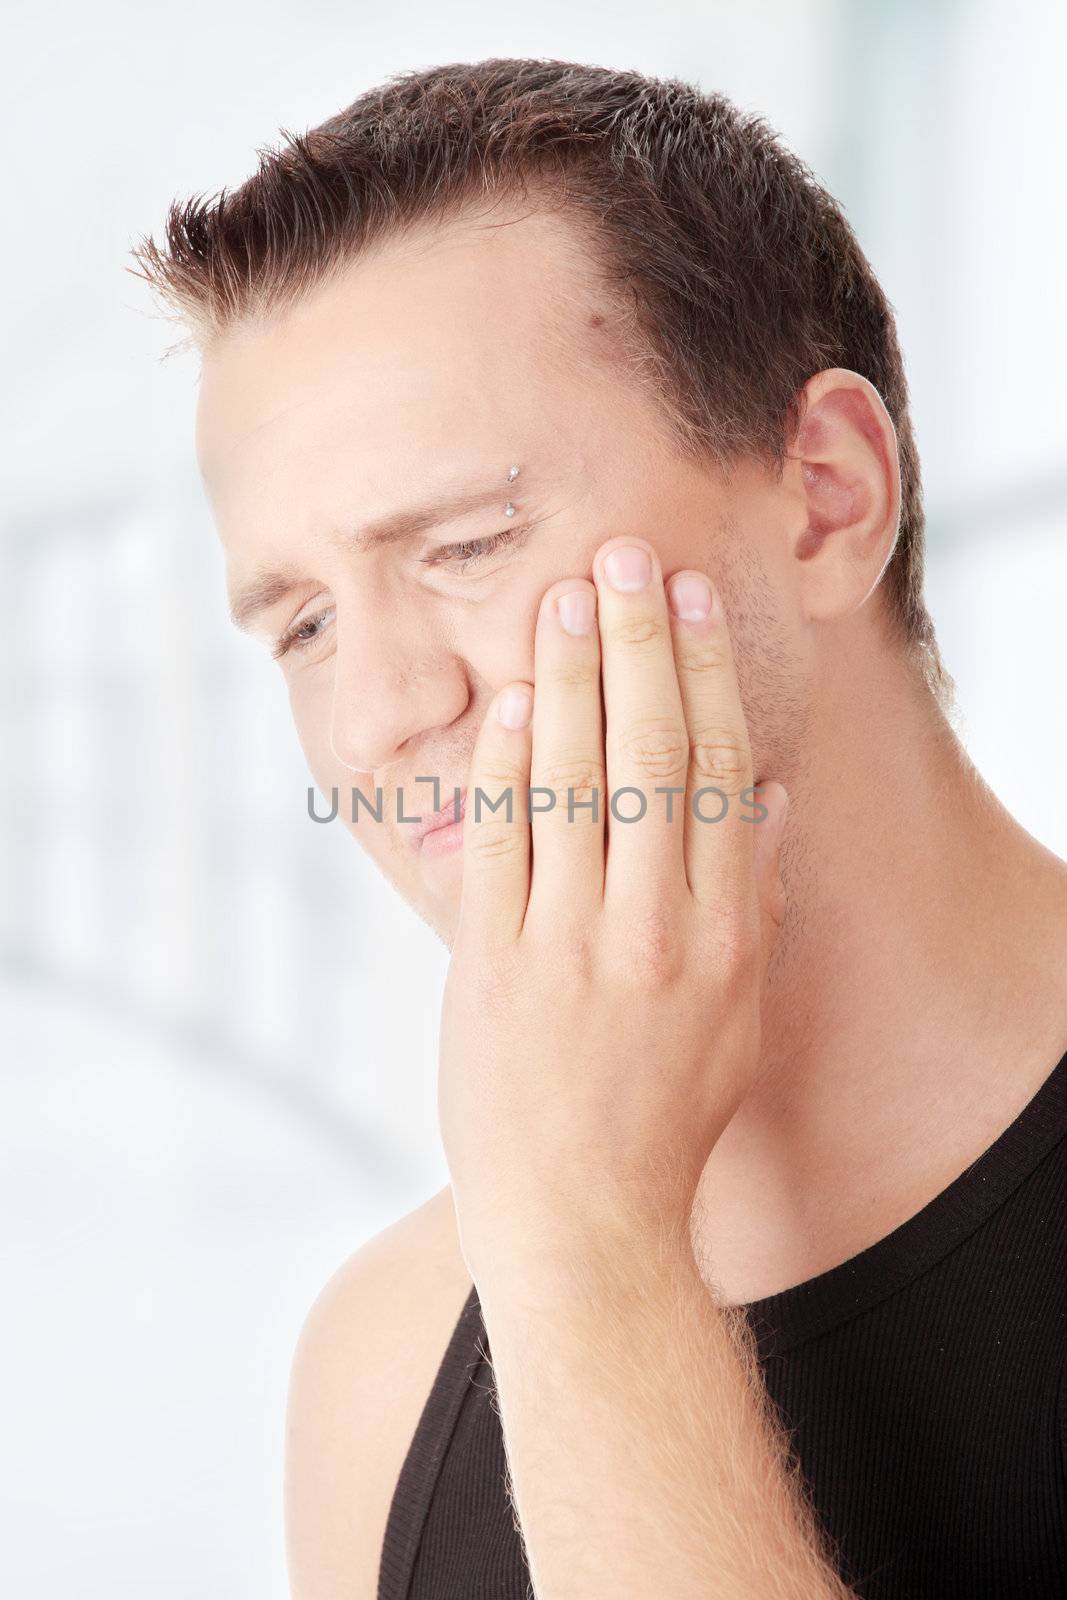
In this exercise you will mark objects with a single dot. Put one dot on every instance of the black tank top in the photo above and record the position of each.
(924, 1383)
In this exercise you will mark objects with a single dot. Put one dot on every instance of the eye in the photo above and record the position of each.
(308, 630)
(302, 634)
(472, 551)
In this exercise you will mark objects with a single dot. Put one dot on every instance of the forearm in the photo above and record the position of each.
(644, 1456)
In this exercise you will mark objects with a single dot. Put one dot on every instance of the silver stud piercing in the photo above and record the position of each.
(509, 509)
(513, 474)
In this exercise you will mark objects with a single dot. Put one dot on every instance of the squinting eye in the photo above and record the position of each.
(471, 551)
(297, 637)
(464, 556)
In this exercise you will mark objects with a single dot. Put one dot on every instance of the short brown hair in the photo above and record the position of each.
(736, 274)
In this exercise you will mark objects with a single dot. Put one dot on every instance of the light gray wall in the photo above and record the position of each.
(218, 1024)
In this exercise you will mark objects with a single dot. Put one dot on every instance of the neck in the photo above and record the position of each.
(915, 1001)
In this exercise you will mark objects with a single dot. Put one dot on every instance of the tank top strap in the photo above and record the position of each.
(415, 1484)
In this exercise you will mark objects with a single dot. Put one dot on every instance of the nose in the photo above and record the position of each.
(393, 680)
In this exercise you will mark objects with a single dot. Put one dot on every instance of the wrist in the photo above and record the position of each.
(612, 1257)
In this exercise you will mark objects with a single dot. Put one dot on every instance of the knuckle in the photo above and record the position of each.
(653, 950)
(570, 673)
(567, 959)
(637, 632)
(576, 780)
(657, 749)
(721, 758)
(734, 948)
(700, 656)
(498, 775)
(495, 841)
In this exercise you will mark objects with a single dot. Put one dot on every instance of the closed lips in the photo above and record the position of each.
(446, 816)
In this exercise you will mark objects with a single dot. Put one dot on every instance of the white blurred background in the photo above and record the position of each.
(217, 1024)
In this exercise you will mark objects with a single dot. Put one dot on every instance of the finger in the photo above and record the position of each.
(718, 822)
(496, 828)
(646, 744)
(568, 777)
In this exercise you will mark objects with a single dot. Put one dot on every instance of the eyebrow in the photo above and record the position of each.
(266, 588)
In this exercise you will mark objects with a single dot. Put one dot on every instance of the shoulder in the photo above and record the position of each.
(363, 1367)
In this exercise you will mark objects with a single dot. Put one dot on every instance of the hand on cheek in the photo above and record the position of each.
(621, 898)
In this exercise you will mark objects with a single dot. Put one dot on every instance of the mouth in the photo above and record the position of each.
(440, 829)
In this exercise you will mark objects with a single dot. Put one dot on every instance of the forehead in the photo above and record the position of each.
(432, 345)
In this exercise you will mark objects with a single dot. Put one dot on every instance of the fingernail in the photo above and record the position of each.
(628, 568)
(514, 707)
(689, 594)
(577, 610)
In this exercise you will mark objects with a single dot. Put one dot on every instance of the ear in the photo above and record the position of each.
(847, 479)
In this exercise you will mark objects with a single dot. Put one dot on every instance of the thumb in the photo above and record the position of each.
(768, 844)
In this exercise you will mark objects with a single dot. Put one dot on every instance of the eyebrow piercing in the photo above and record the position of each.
(509, 509)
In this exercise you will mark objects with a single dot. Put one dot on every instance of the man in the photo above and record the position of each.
(750, 1278)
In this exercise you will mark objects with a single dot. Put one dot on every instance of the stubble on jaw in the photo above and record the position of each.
(778, 711)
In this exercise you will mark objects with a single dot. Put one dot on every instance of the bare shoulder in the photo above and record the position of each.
(363, 1367)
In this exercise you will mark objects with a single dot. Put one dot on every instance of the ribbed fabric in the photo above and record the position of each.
(924, 1383)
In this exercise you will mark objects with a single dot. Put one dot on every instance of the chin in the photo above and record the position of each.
(444, 924)
(439, 910)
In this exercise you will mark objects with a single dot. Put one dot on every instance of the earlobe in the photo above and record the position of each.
(845, 454)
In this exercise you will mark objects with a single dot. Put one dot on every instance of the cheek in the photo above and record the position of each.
(311, 703)
(496, 638)
(774, 669)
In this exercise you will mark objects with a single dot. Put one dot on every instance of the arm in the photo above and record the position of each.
(644, 1455)
(600, 1027)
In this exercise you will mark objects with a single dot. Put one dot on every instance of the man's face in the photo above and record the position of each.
(425, 372)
